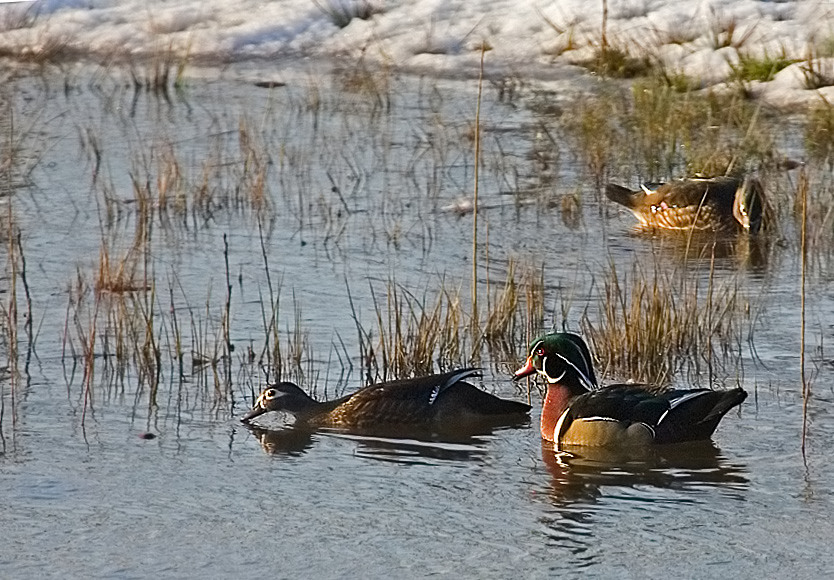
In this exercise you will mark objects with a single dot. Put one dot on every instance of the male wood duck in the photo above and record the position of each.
(440, 400)
(577, 411)
(721, 204)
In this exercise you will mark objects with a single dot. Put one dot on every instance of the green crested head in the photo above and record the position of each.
(561, 357)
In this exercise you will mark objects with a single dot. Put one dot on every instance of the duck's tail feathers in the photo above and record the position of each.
(694, 415)
(622, 195)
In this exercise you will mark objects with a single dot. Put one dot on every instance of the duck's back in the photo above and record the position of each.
(684, 204)
(419, 401)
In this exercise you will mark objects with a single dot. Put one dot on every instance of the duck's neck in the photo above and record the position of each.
(314, 411)
(555, 402)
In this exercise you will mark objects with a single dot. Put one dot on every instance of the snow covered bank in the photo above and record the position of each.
(702, 40)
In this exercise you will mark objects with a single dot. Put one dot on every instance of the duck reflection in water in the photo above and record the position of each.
(707, 249)
(398, 445)
(579, 473)
(588, 482)
(289, 441)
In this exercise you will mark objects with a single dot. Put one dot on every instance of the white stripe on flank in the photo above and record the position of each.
(599, 418)
(434, 392)
(558, 430)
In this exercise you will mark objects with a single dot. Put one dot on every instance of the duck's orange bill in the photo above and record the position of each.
(527, 369)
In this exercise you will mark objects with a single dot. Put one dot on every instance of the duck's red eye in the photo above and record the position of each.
(539, 351)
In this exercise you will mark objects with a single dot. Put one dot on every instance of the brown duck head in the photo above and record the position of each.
(284, 396)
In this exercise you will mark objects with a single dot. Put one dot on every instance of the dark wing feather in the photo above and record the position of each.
(404, 401)
(718, 193)
(624, 403)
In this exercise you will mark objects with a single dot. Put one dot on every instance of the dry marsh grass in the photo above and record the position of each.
(342, 12)
(654, 324)
(662, 133)
(819, 132)
(414, 335)
(143, 336)
(728, 31)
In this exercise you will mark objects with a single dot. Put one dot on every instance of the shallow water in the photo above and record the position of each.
(358, 195)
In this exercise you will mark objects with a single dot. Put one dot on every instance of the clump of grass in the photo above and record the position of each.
(669, 133)
(411, 331)
(817, 72)
(823, 47)
(119, 276)
(370, 82)
(678, 81)
(728, 31)
(565, 33)
(764, 68)
(618, 62)
(658, 121)
(50, 48)
(516, 310)
(342, 12)
(653, 324)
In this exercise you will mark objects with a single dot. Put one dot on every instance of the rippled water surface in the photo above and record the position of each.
(358, 183)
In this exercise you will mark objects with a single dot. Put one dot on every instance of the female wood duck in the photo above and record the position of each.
(423, 401)
(577, 411)
(721, 204)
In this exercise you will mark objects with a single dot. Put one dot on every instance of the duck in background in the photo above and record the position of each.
(718, 204)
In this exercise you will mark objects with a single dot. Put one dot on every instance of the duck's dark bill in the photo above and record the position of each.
(254, 412)
(527, 369)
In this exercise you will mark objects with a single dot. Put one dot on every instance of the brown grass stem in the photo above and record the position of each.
(475, 194)
(28, 324)
(604, 33)
(806, 389)
(227, 313)
(12, 314)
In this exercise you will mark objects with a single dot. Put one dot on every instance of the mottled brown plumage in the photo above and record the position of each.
(443, 399)
(720, 204)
